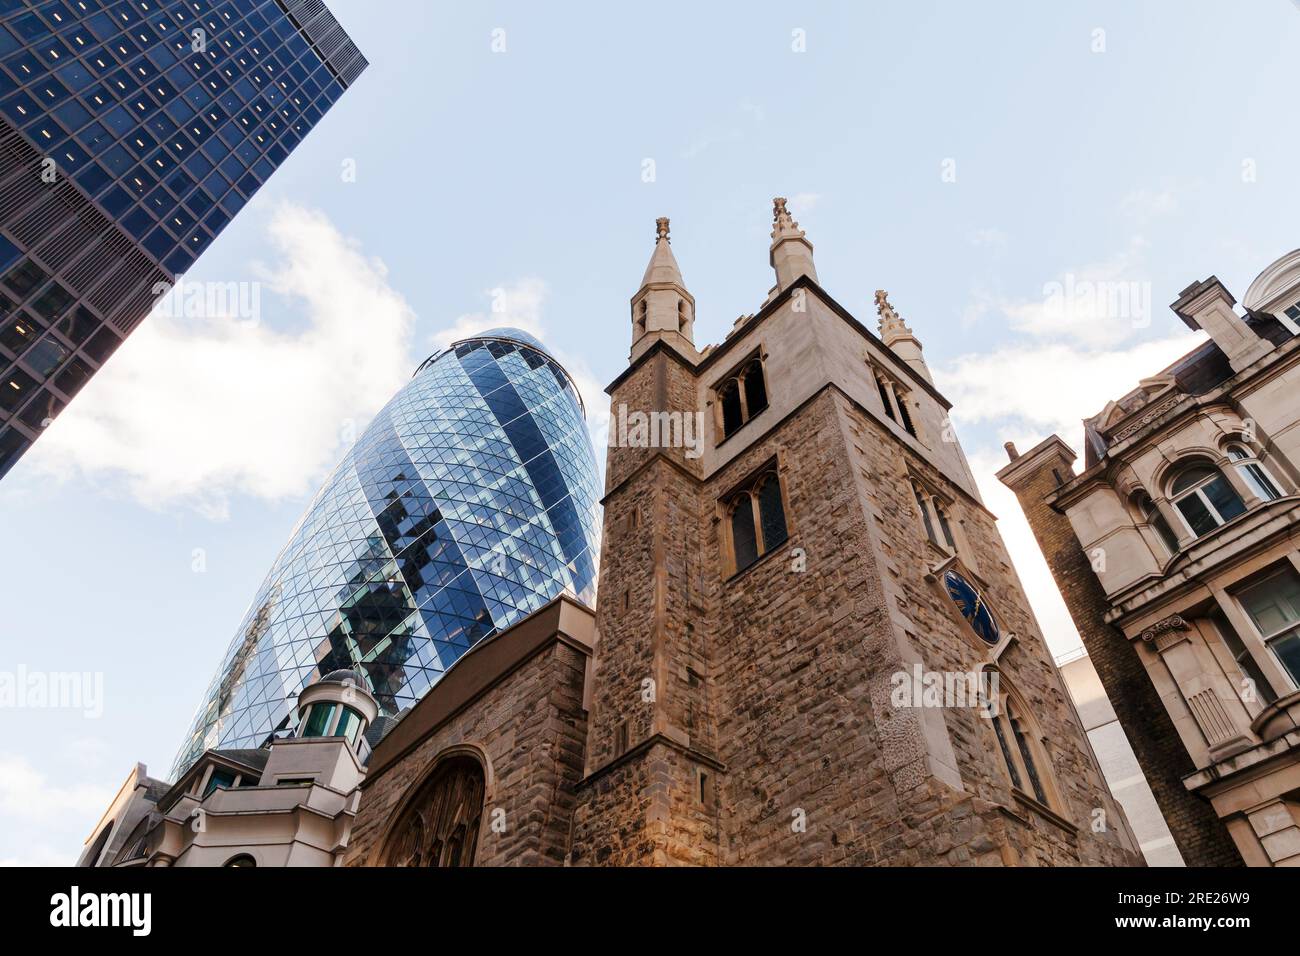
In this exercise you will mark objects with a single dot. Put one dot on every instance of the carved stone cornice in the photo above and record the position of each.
(1148, 416)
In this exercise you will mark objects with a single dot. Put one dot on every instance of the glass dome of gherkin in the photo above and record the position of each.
(469, 502)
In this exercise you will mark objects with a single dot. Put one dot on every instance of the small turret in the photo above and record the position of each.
(337, 705)
(895, 334)
(662, 309)
(792, 254)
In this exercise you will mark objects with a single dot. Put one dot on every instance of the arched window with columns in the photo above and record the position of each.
(755, 519)
(741, 396)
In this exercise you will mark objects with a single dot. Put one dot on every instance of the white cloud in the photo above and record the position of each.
(1099, 305)
(1025, 393)
(724, 132)
(1041, 389)
(38, 856)
(754, 110)
(516, 304)
(195, 409)
(708, 140)
(28, 796)
(43, 823)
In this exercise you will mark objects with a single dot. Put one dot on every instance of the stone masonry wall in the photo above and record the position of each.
(947, 645)
(644, 800)
(533, 729)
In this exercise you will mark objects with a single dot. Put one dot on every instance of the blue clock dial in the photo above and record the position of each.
(972, 606)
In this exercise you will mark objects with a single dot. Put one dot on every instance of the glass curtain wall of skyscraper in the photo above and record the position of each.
(131, 132)
(469, 502)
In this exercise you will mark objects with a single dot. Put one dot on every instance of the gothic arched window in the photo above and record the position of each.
(744, 541)
(771, 512)
(1205, 499)
(755, 389)
(934, 515)
(741, 395)
(440, 826)
(1020, 743)
(756, 518)
(894, 399)
(733, 414)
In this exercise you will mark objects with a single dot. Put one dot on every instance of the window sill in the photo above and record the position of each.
(1027, 802)
(743, 425)
(783, 548)
(1264, 506)
(944, 555)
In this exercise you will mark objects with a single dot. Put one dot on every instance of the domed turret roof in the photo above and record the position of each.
(343, 676)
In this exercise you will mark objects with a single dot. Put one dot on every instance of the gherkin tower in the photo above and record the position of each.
(470, 501)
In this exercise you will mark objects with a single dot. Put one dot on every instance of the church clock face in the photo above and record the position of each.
(973, 607)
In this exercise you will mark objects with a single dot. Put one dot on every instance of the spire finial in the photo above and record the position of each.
(663, 266)
(783, 224)
(897, 336)
(890, 322)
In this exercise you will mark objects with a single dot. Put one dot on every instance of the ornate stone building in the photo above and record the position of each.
(290, 802)
(809, 646)
(1177, 551)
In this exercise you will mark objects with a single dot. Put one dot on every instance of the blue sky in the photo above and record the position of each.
(961, 156)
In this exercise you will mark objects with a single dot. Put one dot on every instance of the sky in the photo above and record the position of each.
(503, 164)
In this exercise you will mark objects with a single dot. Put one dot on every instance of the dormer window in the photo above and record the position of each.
(220, 778)
(741, 396)
(1205, 499)
(1254, 473)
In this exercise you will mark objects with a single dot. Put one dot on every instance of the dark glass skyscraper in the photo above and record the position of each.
(131, 132)
(469, 502)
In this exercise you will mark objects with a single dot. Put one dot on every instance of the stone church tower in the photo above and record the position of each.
(809, 645)
(812, 647)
